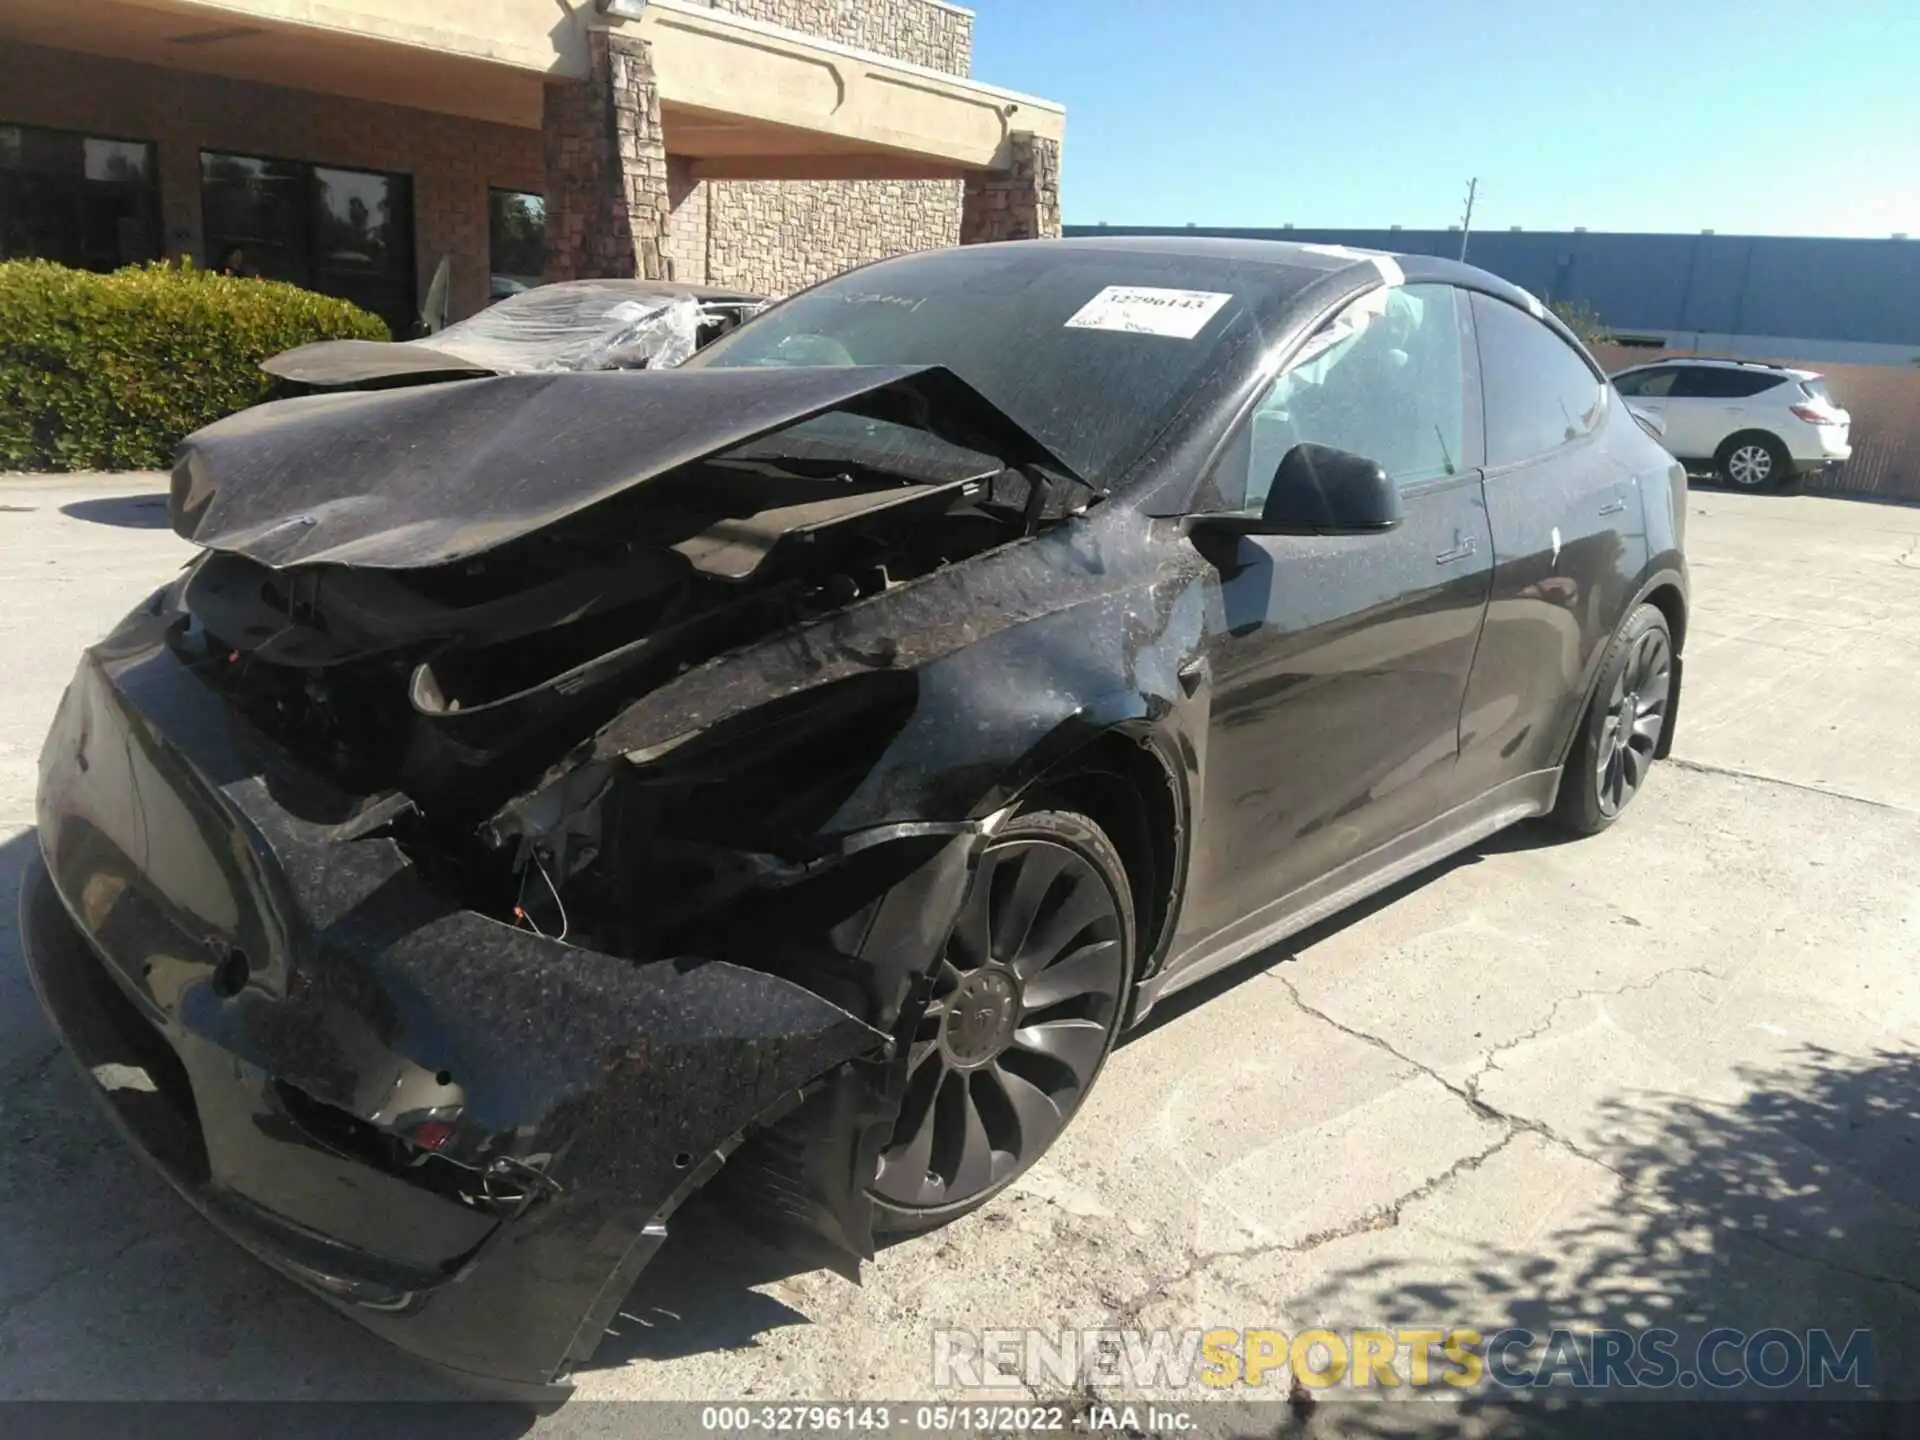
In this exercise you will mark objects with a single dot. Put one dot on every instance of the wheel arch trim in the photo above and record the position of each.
(1664, 579)
(1169, 751)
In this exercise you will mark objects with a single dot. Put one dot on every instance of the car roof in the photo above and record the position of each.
(1714, 362)
(1312, 260)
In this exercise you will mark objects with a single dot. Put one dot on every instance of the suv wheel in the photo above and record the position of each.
(1027, 1001)
(1753, 462)
(1620, 733)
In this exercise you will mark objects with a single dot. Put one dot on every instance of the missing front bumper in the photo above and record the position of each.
(217, 957)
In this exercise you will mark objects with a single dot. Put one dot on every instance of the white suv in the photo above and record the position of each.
(1755, 425)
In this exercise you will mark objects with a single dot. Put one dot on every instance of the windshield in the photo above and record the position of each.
(575, 325)
(1092, 354)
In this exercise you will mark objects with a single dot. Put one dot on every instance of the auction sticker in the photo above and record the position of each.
(1144, 310)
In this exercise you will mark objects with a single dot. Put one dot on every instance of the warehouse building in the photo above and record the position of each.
(1826, 301)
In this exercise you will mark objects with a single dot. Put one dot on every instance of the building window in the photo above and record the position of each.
(82, 200)
(342, 232)
(516, 240)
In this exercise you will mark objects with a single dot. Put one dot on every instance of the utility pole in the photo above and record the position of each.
(1466, 225)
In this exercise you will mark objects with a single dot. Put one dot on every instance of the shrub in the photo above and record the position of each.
(1585, 323)
(111, 371)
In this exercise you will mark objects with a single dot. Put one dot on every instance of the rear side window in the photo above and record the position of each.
(1650, 384)
(1540, 394)
(1708, 382)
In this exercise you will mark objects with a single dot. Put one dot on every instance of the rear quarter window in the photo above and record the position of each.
(1540, 392)
(1713, 383)
(1749, 382)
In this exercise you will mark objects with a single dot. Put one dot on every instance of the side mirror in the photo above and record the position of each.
(1318, 490)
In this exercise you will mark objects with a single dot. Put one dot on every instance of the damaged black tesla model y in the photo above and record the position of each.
(546, 795)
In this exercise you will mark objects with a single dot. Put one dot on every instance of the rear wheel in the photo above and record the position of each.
(1622, 727)
(1753, 462)
(1027, 1001)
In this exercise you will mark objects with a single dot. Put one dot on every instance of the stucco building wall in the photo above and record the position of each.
(777, 236)
(924, 32)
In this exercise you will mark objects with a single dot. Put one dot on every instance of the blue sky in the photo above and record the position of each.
(1741, 116)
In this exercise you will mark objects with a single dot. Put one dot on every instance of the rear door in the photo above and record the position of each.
(1711, 402)
(1338, 681)
(1568, 537)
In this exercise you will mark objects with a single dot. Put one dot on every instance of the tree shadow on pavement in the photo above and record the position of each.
(1794, 1208)
(145, 511)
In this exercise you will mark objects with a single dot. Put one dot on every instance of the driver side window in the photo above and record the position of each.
(1383, 379)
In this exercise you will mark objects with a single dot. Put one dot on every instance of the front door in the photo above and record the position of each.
(1338, 679)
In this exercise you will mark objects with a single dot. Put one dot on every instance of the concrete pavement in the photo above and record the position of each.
(1668, 1072)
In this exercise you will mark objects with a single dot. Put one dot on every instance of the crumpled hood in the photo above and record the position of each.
(418, 477)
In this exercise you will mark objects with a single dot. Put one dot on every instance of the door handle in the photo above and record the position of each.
(1460, 551)
(1614, 506)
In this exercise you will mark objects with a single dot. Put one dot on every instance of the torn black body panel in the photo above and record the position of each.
(1014, 660)
(492, 1125)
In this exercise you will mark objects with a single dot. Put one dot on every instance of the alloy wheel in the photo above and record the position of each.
(1024, 1003)
(1750, 465)
(1636, 713)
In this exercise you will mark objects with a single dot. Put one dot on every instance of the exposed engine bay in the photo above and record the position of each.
(482, 808)
(451, 682)
(454, 686)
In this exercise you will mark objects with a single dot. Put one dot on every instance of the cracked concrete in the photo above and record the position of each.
(1666, 1074)
(1468, 1091)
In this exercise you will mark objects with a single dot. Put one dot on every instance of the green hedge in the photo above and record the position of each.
(109, 372)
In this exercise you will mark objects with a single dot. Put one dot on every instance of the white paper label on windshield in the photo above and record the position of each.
(1144, 310)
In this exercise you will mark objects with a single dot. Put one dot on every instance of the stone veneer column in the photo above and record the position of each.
(606, 167)
(1021, 202)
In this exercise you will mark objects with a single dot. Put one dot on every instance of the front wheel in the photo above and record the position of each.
(1027, 1000)
(1620, 733)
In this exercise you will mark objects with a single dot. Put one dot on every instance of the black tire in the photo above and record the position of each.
(1753, 460)
(1604, 772)
(1044, 948)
